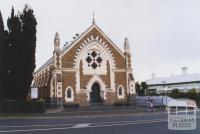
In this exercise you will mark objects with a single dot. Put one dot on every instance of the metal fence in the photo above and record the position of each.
(139, 103)
(99, 108)
(143, 102)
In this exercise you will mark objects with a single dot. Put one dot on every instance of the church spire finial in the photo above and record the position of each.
(93, 19)
(57, 40)
(126, 46)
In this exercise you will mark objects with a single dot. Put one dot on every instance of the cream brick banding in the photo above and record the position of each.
(68, 69)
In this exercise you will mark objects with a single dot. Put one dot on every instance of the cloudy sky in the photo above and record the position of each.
(164, 35)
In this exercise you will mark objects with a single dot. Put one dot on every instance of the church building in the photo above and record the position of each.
(91, 69)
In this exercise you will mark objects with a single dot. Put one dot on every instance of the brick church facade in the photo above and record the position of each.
(92, 69)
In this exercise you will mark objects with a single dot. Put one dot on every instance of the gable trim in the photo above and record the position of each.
(85, 33)
(110, 41)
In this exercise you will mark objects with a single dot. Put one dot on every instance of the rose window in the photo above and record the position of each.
(94, 59)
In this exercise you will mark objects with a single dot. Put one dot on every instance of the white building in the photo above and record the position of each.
(183, 82)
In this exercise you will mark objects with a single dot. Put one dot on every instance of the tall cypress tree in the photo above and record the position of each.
(5, 63)
(17, 54)
(14, 51)
(1, 23)
(3, 60)
(29, 24)
(1, 54)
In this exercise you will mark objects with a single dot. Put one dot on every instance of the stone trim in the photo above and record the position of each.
(104, 50)
(100, 44)
(102, 85)
(85, 33)
(52, 87)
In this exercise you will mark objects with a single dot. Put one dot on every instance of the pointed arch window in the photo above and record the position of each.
(120, 92)
(69, 94)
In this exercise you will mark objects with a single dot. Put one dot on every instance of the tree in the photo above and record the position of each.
(198, 99)
(175, 93)
(137, 88)
(14, 61)
(29, 24)
(1, 53)
(18, 57)
(143, 88)
(192, 94)
(3, 59)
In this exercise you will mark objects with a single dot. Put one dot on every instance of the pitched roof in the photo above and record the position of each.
(66, 49)
(85, 33)
(174, 79)
(46, 64)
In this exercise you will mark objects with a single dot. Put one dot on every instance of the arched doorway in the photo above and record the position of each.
(95, 94)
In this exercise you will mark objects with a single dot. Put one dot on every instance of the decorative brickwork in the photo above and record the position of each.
(68, 80)
(120, 79)
(83, 78)
(90, 59)
(106, 78)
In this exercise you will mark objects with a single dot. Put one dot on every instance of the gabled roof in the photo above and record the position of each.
(85, 33)
(65, 50)
(45, 65)
(174, 79)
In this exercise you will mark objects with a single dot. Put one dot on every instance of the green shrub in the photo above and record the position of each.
(175, 93)
(198, 100)
(22, 106)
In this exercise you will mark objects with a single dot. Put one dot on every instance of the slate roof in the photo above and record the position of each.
(49, 62)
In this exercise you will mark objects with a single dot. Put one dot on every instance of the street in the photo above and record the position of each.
(144, 123)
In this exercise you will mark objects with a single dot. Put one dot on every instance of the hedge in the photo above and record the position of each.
(191, 94)
(22, 106)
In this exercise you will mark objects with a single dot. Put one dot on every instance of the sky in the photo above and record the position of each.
(164, 35)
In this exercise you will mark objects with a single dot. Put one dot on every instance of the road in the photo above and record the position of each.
(146, 123)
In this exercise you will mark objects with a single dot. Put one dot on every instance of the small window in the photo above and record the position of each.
(120, 91)
(69, 93)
